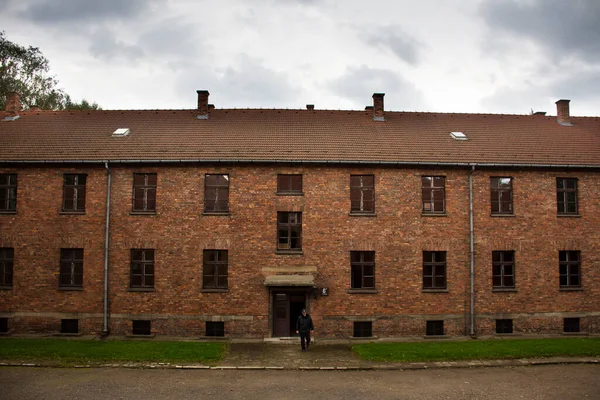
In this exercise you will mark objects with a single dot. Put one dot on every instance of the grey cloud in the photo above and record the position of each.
(53, 11)
(105, 45)
(359, 83)
(563, 28)
(400, 43)
(583, 86)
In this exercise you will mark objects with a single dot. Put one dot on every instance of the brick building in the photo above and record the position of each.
(210, 222)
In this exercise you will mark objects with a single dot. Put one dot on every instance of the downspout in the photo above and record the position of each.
(472, 250)
(106, 243)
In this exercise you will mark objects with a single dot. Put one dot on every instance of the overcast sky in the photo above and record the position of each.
(497, 56)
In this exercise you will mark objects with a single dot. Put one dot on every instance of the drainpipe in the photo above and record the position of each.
(472, 248)
(106, 242)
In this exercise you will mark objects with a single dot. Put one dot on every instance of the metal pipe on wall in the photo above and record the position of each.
(472, 250)
(106, 243)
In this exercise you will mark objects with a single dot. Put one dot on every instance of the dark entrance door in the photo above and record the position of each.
(286, 309)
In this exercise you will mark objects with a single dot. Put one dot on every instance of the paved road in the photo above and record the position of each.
(540, 382)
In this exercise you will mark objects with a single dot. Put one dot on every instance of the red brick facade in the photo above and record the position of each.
(179, 231)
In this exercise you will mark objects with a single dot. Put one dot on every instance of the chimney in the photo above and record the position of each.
(310, 107)
(378, 114)
(13, 103)
(202, 104)
(562, 112)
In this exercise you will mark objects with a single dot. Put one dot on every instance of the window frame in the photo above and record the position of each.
(8, 193)
(148, 190)
(568, 265)
(502, 265)
(7, 264)
(357, 205)
(428, 207)
(78, 191)
(562, 196)
(218, 265)
(289, 227)
(496, 206)
(71, 267)
(360, 265)
(216, 205)
(285, 184)
(143, 263)
(435, 267)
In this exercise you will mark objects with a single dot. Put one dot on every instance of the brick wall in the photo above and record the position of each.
(399, 233)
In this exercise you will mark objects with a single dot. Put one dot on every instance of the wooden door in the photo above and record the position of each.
(281, 314)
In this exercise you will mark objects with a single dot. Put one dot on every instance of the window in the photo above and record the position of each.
(289, 231)
(141, 327)
(566, 195)
(503, 269)
(6, 266)
(74, 193)
(434, 270)
(291, 184)
(434, 328)
(142, 268)
(71, 268)
(69, 326)
(363, 329)
(504, 326)
(144, 193)
(362, 194)
(8, 192)
(363, 269)
(215, 328)
(569, 269)
(214, 272)
(571, 325)
(3, 325)
(501, 191)
(216, 193)
(434, 194)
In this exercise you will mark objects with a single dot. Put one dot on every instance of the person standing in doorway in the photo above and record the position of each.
(304, 325)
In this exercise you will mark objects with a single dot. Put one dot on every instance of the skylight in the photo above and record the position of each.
(458, 136)
(121, 132)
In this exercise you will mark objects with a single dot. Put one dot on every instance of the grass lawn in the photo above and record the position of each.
(478, 349)
(79, 351)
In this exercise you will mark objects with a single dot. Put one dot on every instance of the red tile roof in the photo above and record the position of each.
(299, 135)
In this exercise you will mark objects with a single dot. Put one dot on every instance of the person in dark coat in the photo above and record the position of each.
(304, 325)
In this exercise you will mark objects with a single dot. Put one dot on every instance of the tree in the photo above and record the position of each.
(26, 71)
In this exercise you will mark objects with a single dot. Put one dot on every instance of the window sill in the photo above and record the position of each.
(142, 213)
(215, 338)
(362, 214)
(6, 287)
(506, 334)
(364, 337)
(67, 334)
(426, 214)
(72, 213)
(571, 289)
(496, 215)
(289, 193)
(504, 290)
(8, 212)
(136, 336)
(289, 252)
(434, 290)
(214, 290)
(216, 214)
(436, 336)
(575, 333)
(568, 215)
(70, 288)
(136, 289)
(363, 291)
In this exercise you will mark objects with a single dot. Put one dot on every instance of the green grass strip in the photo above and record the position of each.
(77, 351)
(478, 349)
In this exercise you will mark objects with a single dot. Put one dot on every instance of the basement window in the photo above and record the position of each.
(215, 328)
(504, 326)
(363, 329)
(121, 132)
(3, 325)
(141, 327)
(458, 136)
(434, 328)
(69, 326)
(571, 325)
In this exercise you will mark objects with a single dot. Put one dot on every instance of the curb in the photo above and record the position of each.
(382, 367)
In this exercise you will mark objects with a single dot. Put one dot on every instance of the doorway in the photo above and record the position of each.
(287, 306)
